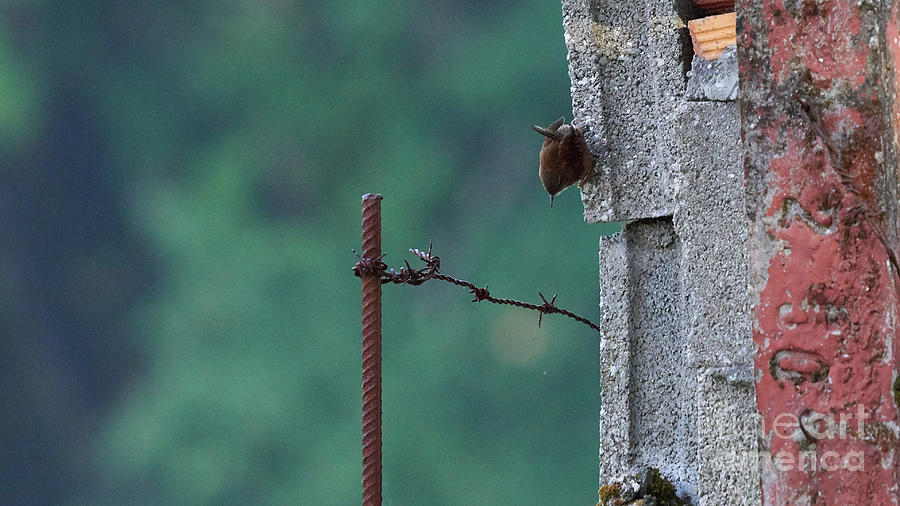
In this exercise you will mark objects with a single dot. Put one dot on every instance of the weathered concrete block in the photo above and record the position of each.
(615, 358)
(627, 61)
(711, 222)
(648, 413)
(677, 355)
(727, 459)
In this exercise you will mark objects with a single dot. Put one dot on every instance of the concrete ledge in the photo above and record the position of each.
(677, 358)
(626, 64)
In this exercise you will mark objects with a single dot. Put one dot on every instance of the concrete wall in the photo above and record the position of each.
(677, 359)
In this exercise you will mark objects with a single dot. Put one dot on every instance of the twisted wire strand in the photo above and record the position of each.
(369, 265)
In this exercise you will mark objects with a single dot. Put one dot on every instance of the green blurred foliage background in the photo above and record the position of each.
(180, 195)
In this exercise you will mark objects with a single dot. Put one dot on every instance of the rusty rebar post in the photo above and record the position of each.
(371, 353)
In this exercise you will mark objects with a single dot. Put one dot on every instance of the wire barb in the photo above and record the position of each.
(546, 307)
(414, 277)
(480, 294)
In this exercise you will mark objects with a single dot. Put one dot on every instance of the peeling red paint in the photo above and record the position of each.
(807, 364)
(832, 278)
(828, 30)
(893, 38)
(827, 297)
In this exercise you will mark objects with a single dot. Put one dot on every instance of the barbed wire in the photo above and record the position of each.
(409, 276)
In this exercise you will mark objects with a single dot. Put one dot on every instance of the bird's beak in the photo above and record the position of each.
(551, 201)
(553, 134)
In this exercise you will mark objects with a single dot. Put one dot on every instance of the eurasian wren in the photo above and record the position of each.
(565, 157)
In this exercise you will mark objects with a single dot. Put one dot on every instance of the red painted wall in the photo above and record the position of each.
(819, 116)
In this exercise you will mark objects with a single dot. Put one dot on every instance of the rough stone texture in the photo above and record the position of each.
(820, 121)
(710, 220)
(661, 391)
(714, 79)
(677, 358)
(728, 461)
(626, 61)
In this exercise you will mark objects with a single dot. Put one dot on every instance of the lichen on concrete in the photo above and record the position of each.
(644, 488)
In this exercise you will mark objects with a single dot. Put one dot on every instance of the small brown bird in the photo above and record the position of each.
(565, 157)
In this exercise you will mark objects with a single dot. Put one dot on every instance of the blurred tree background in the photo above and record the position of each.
(180, 194)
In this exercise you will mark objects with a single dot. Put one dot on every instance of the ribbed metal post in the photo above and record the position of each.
(371, 353)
